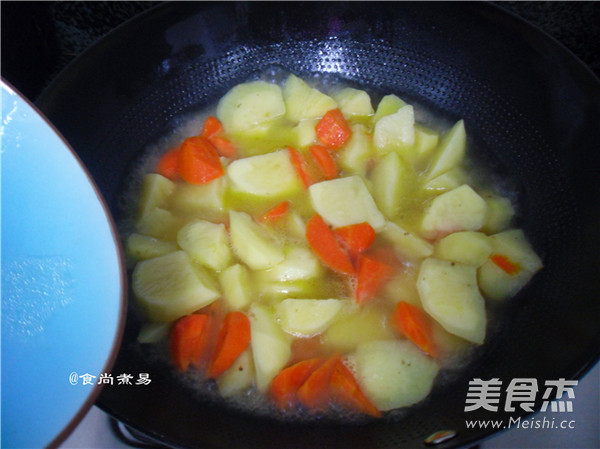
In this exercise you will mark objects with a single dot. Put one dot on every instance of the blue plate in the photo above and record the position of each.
(62, 281)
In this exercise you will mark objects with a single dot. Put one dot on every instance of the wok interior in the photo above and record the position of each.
(524, 112)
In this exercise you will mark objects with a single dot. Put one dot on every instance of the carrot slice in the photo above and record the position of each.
(324, 160)
(314, 393)
(323, 241)
(333, 129)
(277, 212)
(300, 167)
(225, 147)
(346, 391)
(357, 237)
(414, 324)
(285, 385)
(204, 350)
(372, 274)
(168, 164)
(199, 161)
(186, 336)
(503, 262)
(233, 339)
(212, 127)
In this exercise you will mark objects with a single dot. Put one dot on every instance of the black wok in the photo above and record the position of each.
(533, 114)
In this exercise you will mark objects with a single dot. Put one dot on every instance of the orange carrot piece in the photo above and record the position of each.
(324, 160)
(285, 385)
(205, 349)
(168, 164)
(333, 130)
(277, 212)
(233, 339)
(503, 262)
(357, 237)
(224, 146)
(199, 161)
(300, 166)
(372, 274)
(212, 127)
(346, 391)
(323, 241)
(414, 324)
(314, 393)
(185, 338)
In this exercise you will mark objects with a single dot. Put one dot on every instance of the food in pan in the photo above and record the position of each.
(306, 248)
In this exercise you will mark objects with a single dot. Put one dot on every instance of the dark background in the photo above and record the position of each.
(40, 38)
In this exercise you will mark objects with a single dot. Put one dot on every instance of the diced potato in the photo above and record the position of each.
(299, 264)
(305, 132)
(406, 244)
(206, 243)
(250, 104)
(501, 213)
(394, 373)
(307, 317)
(447, 181)
(357, 152)
(353, 102)
(169, 287)
(142, 247)
(271, 347)
(153, 220)
(154, 332)
(346, 201)
(201, 200)
(159, 223)
(252, 242)
(460, 209)
(238, 377)
(275, 291)
(395, 131)
(237, 287)
(264, 138)
(495, 282)
(403, 287)
(270, 176)
(425, 142)
(155, 191)
(388, 105)
(450, 294)
(468, 247)
(450, 152)
(304, 102)
(356, 327)
(392, 181)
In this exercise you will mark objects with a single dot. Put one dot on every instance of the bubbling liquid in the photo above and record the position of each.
(332, 285)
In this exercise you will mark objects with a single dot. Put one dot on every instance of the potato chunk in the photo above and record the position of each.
(271, 347)
(460, 209)
(252, 243)
(303, 101)
(268, 176)
(306, 317)
(206, 243)
(250, 104)
(520, 264)
(468, 247)
(169, 287)
(450, 294)
(346, 201)
(394, 373)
